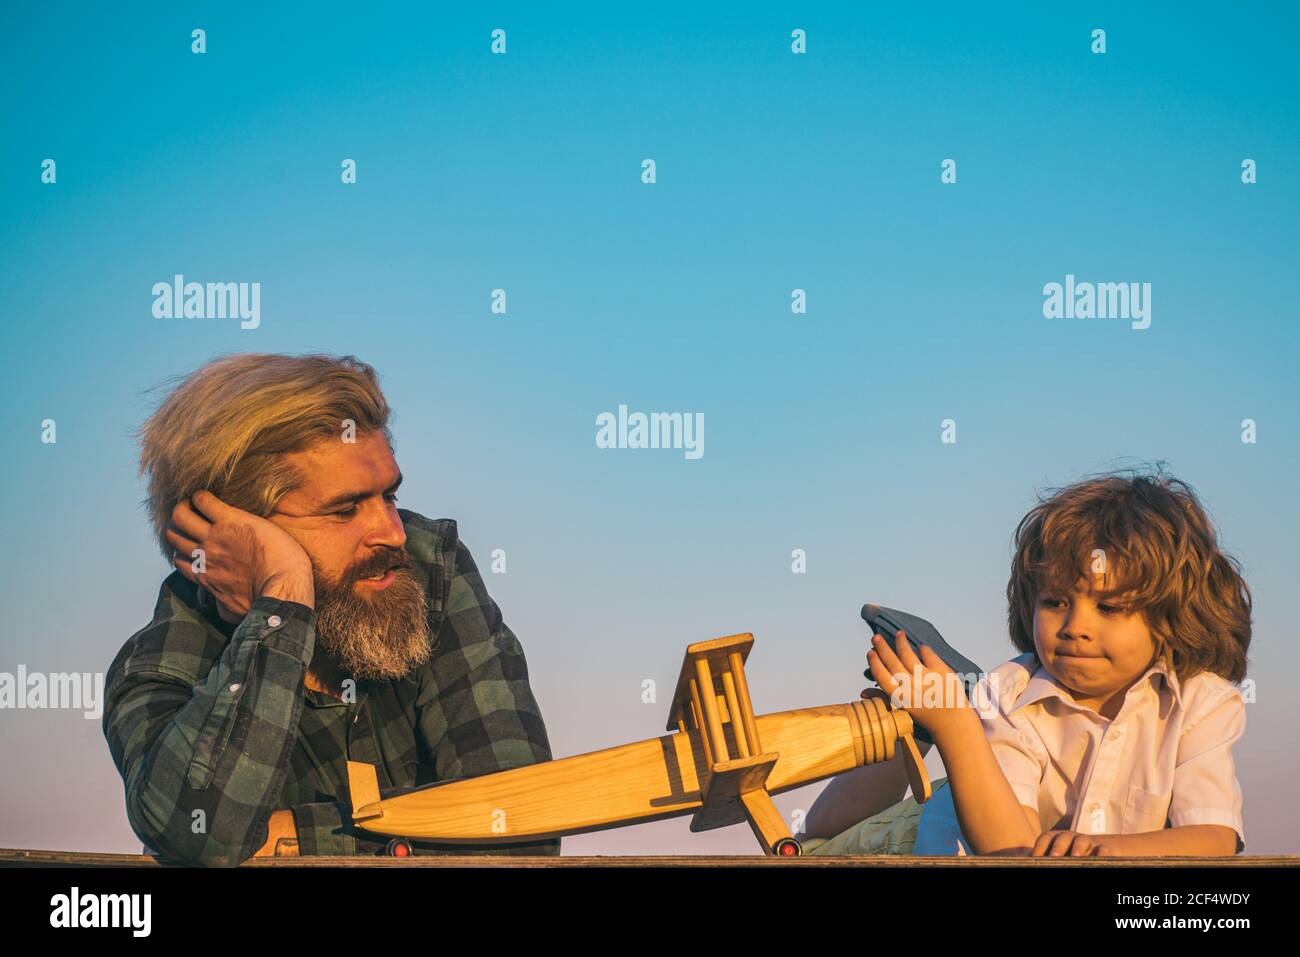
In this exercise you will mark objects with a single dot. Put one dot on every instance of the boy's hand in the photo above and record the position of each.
(1071, 844)
(911, 682)
(244, 557)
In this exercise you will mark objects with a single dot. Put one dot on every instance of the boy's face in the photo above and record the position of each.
(1095, 649)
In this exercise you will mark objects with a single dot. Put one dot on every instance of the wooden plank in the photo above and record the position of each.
(23, 857)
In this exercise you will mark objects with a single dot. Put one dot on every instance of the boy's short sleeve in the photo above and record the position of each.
(1206, 790)
(1015, 744)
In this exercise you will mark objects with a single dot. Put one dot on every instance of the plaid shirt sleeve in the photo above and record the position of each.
(204, 763)
(475, 708)
(326, 828)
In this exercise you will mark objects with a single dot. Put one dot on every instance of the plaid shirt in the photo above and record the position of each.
(212, 729)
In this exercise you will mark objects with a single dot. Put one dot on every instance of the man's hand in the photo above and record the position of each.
(910, 681)
(243, 557)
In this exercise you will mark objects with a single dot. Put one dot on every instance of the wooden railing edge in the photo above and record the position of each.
(35, 857)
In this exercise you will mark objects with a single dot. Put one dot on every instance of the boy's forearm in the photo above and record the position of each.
(987, 809)
(831, 811)
(856, 795)
(1193, 840)
(992, 821)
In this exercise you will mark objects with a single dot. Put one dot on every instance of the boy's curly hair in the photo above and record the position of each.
(1159, 555)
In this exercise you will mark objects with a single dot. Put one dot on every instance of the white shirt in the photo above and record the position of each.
(1165, 758)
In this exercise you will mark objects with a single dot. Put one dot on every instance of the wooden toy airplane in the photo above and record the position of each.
(720, 762)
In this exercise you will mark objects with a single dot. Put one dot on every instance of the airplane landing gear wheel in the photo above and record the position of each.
(399, 847)
(787, 847)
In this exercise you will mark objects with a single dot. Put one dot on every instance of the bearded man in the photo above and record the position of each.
(308, 622)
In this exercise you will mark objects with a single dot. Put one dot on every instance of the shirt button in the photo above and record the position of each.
(234, 687)
(274, 621)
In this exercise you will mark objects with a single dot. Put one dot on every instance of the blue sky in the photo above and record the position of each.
(774, 172)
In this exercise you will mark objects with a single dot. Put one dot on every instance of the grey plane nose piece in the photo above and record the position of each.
(889, 622)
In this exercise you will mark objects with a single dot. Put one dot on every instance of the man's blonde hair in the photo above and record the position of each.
(227, 425)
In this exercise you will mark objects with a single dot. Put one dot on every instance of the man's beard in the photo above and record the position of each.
(374, 636)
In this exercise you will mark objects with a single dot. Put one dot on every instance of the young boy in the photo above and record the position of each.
(1121, 713)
